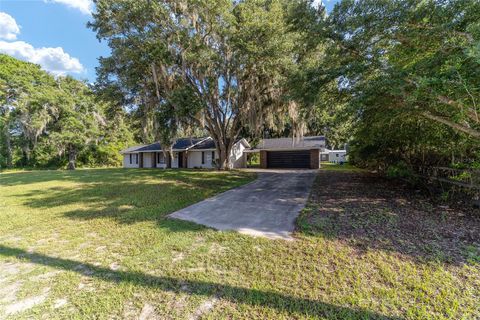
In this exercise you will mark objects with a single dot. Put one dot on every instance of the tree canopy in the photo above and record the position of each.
(398, 80)
(51, 122)
(406, 74)
(215, 64)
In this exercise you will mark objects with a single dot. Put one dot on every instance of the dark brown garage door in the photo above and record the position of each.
(288, 159)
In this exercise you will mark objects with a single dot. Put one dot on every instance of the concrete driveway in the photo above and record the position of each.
(265, 207)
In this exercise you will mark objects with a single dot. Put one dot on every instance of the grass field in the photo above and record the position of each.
(97, 244)
(339, 167)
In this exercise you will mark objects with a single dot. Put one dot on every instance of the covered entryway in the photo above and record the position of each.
(292, 159)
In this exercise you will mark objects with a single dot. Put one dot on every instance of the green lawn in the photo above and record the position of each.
(97, 244)
(339, 167)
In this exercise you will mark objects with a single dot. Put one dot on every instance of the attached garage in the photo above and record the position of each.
(294, 159)
(289, 153)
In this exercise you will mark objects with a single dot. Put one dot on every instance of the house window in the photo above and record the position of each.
(336, 155)
(136, 158)
(213, 155)
(130, 158)
(203, 157)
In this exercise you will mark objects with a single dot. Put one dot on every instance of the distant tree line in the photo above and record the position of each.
(398, 80)
(55, 122)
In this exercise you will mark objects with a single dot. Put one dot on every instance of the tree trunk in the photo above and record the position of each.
(72, 157)
(8, 142)
(167, 155)
(223, 149)
(170, 157)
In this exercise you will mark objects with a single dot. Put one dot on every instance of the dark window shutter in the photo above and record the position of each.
(130, 158)
(203, 157)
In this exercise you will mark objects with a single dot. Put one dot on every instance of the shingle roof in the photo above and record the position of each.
(180, 144)
(292, 143)
(206, 144)
(132, 149)
(150, 147)
(210, 144)
(185, 143)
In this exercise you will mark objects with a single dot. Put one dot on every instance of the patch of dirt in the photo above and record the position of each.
(147, 313)
(101, 248)
(115, 266)
(13, 239)
(178, 257)
(8, 269)
(204, 308)
(27, 303)
(216, 249)
(8, 293)
(60, 303)
(86, 284)
(368, 212)
(44, 276)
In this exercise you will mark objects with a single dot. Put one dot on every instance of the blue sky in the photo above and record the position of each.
(53, 33)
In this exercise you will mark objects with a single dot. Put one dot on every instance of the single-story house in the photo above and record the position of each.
(187, 153)
(299, 153)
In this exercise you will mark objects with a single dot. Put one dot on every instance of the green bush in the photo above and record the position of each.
(399, 170)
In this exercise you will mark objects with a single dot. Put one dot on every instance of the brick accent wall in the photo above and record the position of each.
(314, 158)
(263, 159)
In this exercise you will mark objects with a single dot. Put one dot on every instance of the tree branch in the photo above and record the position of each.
(471, 132)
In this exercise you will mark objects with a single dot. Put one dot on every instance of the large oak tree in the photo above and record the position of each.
(218, 64)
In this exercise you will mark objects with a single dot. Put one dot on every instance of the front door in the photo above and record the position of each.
(180, 159)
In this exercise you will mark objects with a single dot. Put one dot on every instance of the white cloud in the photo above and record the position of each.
(54, 60)
(8, 27)
(85, 6)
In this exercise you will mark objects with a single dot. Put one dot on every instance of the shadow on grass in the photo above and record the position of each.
(126, 196)
(113, 174)
(254, 297)
(370, 213)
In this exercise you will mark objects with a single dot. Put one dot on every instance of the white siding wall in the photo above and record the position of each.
(337, 156)
(147, 159)
(237, 158)
(126, 160)
(195, 159)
